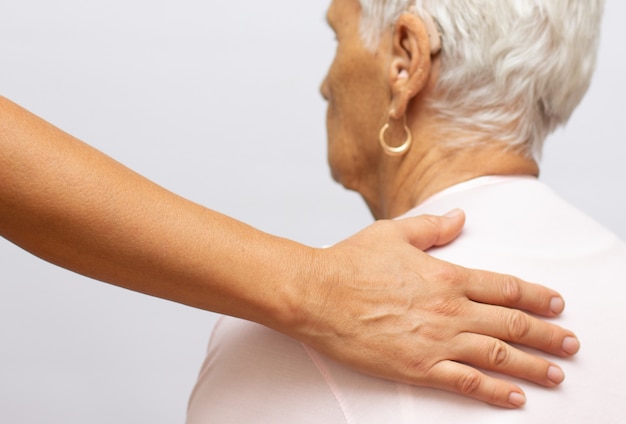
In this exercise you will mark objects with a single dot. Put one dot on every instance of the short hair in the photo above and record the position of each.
(511, 70)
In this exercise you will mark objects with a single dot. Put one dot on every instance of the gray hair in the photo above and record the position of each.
(511, 70)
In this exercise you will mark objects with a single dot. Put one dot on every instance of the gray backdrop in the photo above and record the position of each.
(217, 101)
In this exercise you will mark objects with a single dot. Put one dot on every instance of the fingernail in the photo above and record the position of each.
(571, 345)
(555, 374)
(517, 399)
(453, 213)
(557, 305)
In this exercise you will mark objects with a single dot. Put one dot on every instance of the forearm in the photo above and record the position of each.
(72, 205)
(374, 301)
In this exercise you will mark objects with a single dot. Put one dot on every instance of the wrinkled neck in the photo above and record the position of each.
(428, 169)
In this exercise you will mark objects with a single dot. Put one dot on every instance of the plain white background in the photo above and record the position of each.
(217, 101)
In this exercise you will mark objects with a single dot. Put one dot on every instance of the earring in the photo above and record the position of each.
(395, 151)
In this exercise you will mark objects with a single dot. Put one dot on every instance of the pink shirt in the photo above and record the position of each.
(515, 225)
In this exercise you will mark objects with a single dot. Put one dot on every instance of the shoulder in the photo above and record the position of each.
(254, 374)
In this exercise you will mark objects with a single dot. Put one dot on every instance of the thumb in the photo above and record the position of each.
(426, 231)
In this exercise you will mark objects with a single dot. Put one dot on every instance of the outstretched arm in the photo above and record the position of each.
(73, 206)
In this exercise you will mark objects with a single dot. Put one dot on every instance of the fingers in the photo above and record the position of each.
(467, 381)
(426, 231)
(517, 327)
(495, 355)
(506, 290)
(472, 350)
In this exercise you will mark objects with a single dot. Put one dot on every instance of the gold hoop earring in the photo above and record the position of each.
(395, 151)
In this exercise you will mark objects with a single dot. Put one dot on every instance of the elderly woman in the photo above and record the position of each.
(434, 105)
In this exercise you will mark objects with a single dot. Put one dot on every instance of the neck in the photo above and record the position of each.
(427, 169)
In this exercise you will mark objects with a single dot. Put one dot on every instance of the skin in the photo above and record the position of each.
(366, 89)
(372, 301)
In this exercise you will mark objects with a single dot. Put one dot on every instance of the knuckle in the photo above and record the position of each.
(469, 383)
(419, 366)
(498, 354)
(386, 226)
(448, 274)
(431, 220)
(446, 306)
(431, 227)
(511, 290)
(518, 325)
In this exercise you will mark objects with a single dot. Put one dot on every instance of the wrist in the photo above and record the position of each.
(283, 303)
(305, 308)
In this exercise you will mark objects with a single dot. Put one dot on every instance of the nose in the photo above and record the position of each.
(324, 89)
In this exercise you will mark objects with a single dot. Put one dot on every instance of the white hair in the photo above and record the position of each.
(511, 70)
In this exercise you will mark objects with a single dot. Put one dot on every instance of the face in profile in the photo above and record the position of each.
(357, 94)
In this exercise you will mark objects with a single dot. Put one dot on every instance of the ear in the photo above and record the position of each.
(414, 42)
